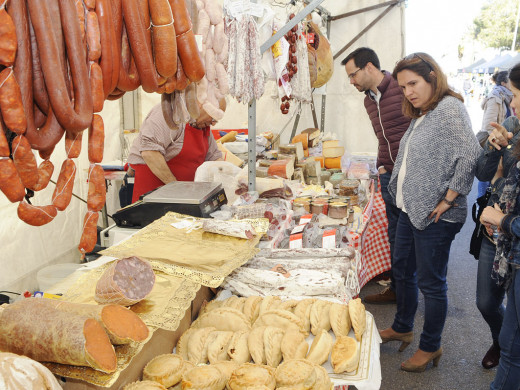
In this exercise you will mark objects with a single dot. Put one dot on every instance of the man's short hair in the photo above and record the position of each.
(362, 57)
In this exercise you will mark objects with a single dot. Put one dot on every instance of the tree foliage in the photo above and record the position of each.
(495, 25)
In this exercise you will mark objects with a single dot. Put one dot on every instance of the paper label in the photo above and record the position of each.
(329, 239)
(298, 229)
(198, 39)
(305, 218)
(296, 241)
(281, 270)
(309, 37)
(182, 224)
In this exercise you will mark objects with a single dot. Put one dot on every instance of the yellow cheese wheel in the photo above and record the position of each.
(331, 163)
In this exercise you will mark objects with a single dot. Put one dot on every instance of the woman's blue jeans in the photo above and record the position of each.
(421, 262)
(490, 296)
(508, 373)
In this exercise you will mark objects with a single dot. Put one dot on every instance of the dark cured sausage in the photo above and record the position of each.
(164, 41)
(81, 18)
(63, 191)
(25, 162)
(7, 38)
(36, 215)
(96, 86)
(116, 94)
(138, 43)
(73, 144)
(41, 98)
(77, 117)
(45, 171)
(51, 132)
(109, 61)
(128, 75)
(89, 235)
(10, 183)
(96, 140)
(96, 188)
(11, 102)
(190, 57)
(181, 81)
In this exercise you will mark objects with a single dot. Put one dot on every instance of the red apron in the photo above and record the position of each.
(183, 166)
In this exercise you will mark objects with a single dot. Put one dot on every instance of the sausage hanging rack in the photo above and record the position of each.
(251, 117)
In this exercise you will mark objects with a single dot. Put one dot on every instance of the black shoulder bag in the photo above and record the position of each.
(478, 233)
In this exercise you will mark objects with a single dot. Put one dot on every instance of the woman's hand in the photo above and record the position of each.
(491, 217)
(441, 208)
(499, 137)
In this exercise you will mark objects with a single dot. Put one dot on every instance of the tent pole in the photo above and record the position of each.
(516, 28)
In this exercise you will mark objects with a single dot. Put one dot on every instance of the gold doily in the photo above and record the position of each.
(201, 257)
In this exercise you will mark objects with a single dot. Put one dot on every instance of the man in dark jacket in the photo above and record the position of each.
(383, 102)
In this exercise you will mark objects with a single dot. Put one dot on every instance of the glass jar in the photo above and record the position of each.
(338, 210)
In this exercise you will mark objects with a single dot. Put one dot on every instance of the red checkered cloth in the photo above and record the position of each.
(375, 247)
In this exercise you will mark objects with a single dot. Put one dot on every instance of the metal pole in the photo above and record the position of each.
(251, 145)
(516, 28)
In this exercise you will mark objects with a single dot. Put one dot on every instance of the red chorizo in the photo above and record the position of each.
(89, 235)
(80, 10)
(25, 162)
(77, 116)
(96, 139)
(73, 144)
(139, 45)
(128, 77)
(93, 36)
(45, 171)
(10, 182)
(181, 16)
(39, 90)
(96, 86)
(11, 102)
(164, 41)
(63, 191)
(190, 57)
(7, 38)
(4, 146)
(109, 60)
(181, 81)
(90, 4)
(45, 154)
(36, 215)
(97, 190)
(116, 94)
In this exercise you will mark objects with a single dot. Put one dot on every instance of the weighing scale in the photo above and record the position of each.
(198, 199)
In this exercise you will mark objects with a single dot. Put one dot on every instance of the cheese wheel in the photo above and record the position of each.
(331, 163)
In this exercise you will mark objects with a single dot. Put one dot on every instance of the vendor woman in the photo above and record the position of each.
(160, 154)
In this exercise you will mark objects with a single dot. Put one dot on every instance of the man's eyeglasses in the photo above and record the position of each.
(353, 74)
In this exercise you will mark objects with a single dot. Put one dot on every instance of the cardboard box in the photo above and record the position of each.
(161, 342)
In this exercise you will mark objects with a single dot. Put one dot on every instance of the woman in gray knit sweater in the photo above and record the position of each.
(432, 175)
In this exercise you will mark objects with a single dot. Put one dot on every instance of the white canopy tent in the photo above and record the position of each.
(26, 249)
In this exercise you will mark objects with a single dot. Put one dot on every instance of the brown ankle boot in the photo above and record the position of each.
(385, 296)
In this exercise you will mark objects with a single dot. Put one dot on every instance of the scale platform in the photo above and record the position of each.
(198, 199)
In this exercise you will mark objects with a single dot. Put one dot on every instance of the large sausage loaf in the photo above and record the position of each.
(30, 327)
(125, 282)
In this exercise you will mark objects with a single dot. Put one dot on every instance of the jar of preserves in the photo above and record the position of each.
(338, 210)
(348, 187)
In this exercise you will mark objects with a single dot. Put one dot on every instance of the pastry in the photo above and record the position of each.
(255, 342)
(345, 355)
(323, 381)
(144, 385)
(320, 347)
(197, 346)
(269, 303)
(281, 319)
(248, 375)
(166, 369)
(208, 306)
(234, 302)
(303, 311)
(182, 344)
(238, 350)
(218, 345)
(288, 305)
(252, 308)
(358, 317)
(203, 378)
(339, 319)
(185, 368)
(223, 318)
(296, 373)
(226, 368)
(319, 316)
(294, 345)
(20, 372)
(272, 345)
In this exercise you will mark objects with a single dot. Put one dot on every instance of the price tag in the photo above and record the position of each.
(182, 224)
(309, 37)
(281, 270)
(298, 229)
(329, 239)
(296, 241)
(305, 218)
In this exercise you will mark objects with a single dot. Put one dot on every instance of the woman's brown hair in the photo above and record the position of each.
(426, 67)
(514, 78)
